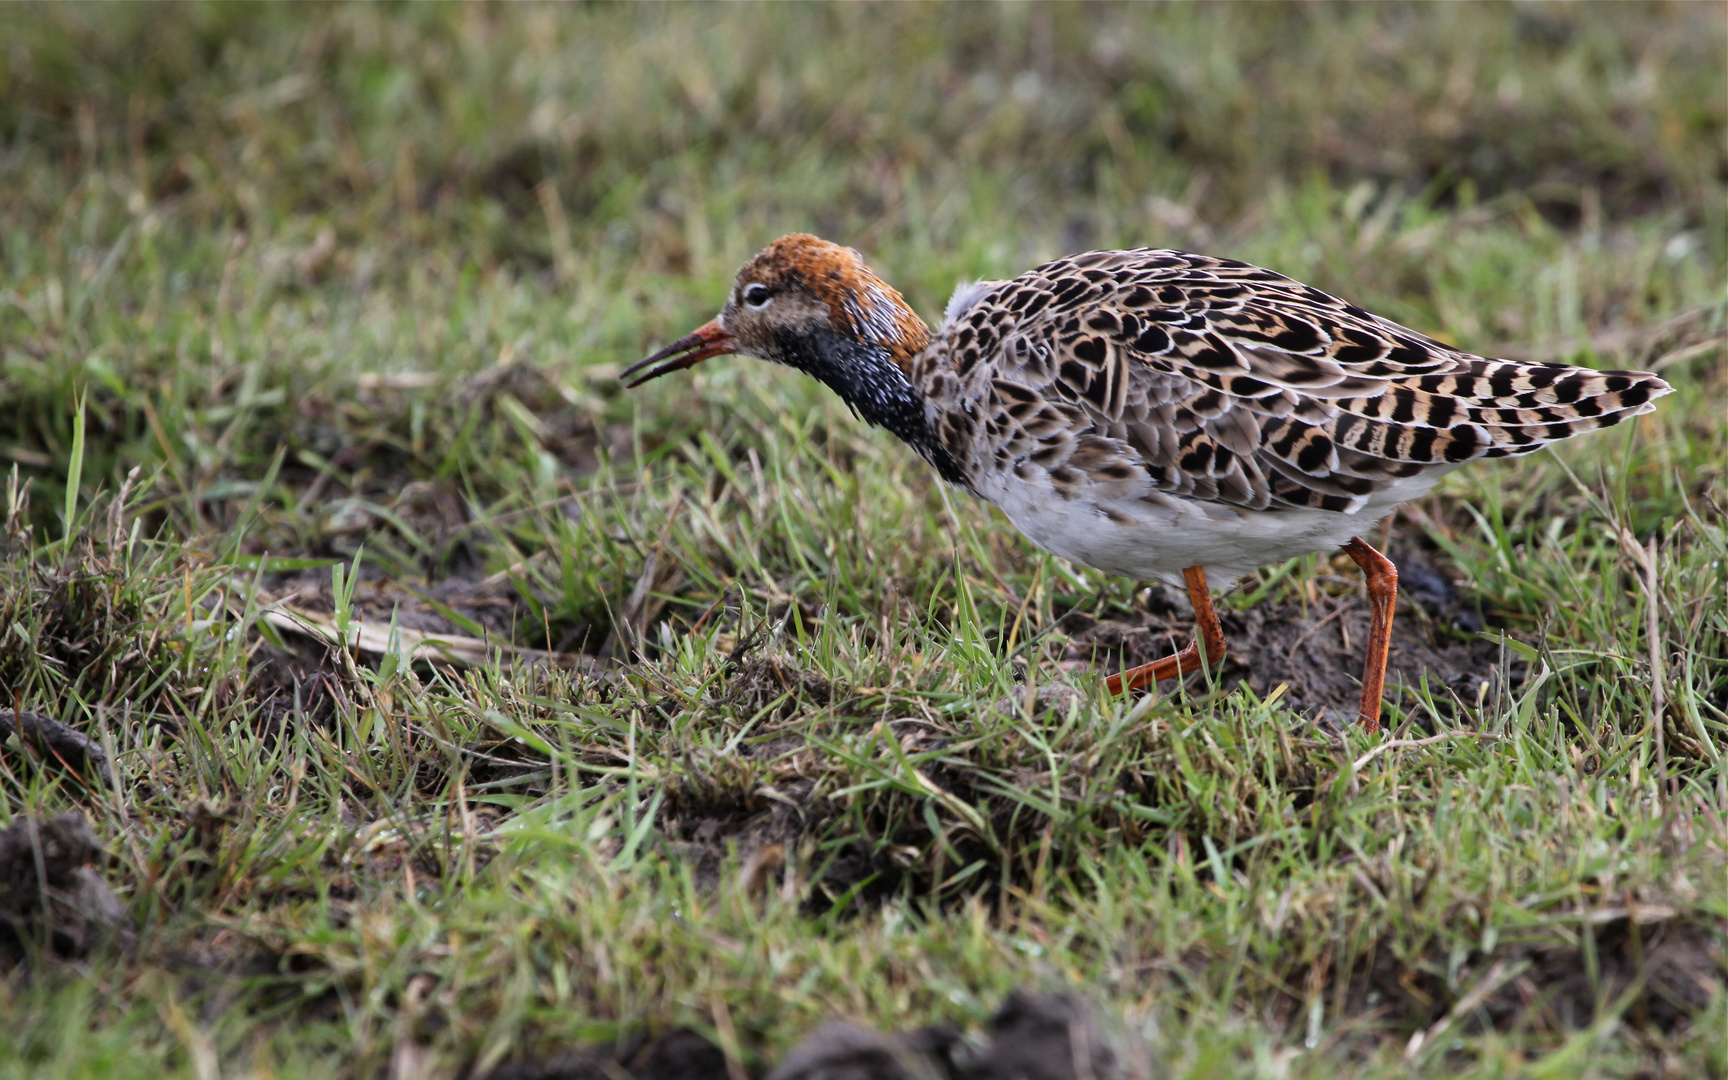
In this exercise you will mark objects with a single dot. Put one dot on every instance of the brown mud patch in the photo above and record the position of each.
(1668, 966)
(50, 894)
(1033, 1036)
(1313, 645)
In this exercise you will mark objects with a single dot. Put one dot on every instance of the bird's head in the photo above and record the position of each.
(807, 303)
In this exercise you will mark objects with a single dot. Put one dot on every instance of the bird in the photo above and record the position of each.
(1159, 414)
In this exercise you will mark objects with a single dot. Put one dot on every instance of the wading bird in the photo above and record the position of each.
(1158, 414)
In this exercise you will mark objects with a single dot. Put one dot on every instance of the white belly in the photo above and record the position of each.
(1152, 541)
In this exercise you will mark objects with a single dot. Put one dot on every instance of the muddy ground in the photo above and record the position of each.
(1033, 1036)
(1313, 645)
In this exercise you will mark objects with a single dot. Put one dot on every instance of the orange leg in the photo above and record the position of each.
(1188, 659)
(1382, 596)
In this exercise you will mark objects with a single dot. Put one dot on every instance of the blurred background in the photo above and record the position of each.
(619, 161)
(597, 142)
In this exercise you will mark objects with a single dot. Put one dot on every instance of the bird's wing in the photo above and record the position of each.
(1225, 382)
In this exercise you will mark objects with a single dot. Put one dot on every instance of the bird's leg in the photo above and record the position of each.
(1382, 596)
(1210, 633)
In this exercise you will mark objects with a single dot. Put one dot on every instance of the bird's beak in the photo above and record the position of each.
(688, 351)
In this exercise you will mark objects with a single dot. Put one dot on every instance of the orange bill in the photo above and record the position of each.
(688, 351)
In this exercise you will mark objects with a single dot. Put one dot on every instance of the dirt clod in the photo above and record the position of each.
(47, 887)
(841, 1051)
(1042, 1036)
(1034, 1036)
(52, 743)
(1439, 596)
(1057, 698)
(680, 1054)
(760, 681)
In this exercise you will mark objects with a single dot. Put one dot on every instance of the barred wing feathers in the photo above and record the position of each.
(1225, 382)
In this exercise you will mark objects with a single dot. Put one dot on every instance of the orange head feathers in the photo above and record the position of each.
(859, 304)
(815, 306)
(798, 286)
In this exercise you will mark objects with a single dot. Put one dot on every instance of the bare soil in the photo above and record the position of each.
(1033, 1036)
(1313, 646)
(51, 895)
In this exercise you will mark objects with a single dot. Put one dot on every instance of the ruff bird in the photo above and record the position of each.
(1159, 414)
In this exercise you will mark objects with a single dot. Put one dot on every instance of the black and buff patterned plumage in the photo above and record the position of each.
(1159, 414)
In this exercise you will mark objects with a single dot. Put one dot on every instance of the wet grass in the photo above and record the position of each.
(314, 318)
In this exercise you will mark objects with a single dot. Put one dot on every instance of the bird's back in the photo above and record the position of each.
(1158, 390)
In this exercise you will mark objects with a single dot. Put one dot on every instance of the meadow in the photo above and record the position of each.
(436, 707)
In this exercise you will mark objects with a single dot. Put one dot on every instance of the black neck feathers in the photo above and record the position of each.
(873, 386)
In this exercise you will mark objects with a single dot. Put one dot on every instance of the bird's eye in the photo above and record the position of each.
(757, 295)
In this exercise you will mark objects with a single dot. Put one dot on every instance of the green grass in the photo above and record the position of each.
(350, 287)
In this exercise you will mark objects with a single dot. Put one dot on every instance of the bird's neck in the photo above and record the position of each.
(869, 379)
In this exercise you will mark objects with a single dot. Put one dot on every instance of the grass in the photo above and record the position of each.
(288, 292)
